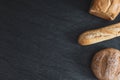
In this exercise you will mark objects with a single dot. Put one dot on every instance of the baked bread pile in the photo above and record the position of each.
(106, 63)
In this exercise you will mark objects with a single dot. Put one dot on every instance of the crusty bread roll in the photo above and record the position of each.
(106, 64)
(107, 9)
(98, 35)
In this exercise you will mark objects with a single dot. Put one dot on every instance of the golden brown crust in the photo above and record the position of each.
(106, 64)
(99, 35)
(107, 9)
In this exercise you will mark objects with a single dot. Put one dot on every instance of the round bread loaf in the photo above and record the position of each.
(106, 64)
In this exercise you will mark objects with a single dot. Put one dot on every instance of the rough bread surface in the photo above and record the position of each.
(98, 35)
(106, 64)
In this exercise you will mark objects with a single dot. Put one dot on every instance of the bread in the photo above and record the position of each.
(99, 35)
(106, 64)
(107, 9)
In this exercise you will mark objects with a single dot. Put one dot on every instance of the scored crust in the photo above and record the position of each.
(107, 9)
(98, 35)
(106, 64)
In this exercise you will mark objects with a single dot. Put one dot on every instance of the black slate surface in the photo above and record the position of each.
(38, 39)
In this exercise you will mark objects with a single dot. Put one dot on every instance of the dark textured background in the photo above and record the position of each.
(38, 39)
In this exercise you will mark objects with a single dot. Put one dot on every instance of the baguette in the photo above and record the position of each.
(99, 35)
(107, 9)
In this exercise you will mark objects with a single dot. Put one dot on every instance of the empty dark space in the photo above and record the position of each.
(38, 39)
